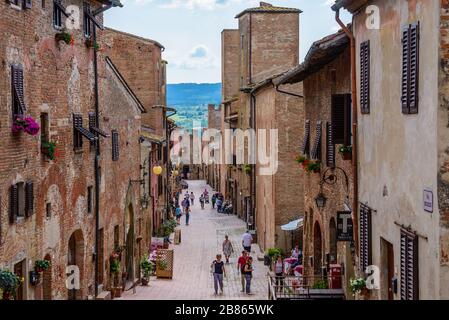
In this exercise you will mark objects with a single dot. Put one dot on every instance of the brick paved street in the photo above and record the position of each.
(201, 241)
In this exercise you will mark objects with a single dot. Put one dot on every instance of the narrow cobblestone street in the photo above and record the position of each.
(201, 241)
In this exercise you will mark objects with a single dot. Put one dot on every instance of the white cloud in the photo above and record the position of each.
(201, 4)
(199, 57)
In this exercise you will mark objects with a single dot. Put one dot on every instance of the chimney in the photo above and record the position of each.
(265, 4)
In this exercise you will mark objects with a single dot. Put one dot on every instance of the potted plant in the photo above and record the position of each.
(320, 284)
(147, 269)
(65, 36)
(49, 149)
(247, 168)
(358, 286)
(26, 124)
(162, 265)
(271, 255)
(300, 159)
(42, 265)
(90, 43)
(9, 282)
(114, 268)
(346, 152)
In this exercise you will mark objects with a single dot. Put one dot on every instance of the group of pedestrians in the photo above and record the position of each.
(189, 200)
(244, 264)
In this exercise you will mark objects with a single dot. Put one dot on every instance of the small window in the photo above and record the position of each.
(45, 130)
(48, 210)
(89, 199)
(341, 119)
(116, 237)
(57, 14)
(79, 132)
(87, 21)
(43, 4)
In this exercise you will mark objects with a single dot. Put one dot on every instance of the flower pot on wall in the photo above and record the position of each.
(347, 156)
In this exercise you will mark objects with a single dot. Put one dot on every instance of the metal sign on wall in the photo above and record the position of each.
(344, 226)
(428, 200)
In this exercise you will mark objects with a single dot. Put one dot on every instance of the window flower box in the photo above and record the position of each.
(66, 37)
(90, 43)
(26, 124)
(312, 166)
(49, 149)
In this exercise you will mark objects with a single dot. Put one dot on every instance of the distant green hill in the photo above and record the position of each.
(193, 93)
(191, 100)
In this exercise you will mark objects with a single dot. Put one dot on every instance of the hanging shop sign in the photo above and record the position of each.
(344, 226)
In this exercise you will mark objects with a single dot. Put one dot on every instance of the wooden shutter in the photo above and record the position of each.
(27, 4)
(29, 199)
(330, 146)
(77, 139)
(405, 68)
(365, 77)
(306, 142)
(365, 238)
(115, 146)
(316, 150)
(348, 120)
(17, 89)
(338, 118)
(13, 203)
(409, 266)
(414, 68)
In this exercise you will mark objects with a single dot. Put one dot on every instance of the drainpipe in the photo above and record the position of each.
(289, 93)
(253, 171)
(355, 203)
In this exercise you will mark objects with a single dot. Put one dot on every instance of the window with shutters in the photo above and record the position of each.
(79, 132)
(27, 4)
(341, 119)
(409, 266)
(115, 146)
(330, 146)
(365, 237)
(365, 77)
(306, 141)
(410, 68)
(87, 22)
(316, 149)
(21, 201)
(17, 94)
(94, 129)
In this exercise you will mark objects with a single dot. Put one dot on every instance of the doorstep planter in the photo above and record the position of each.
(346, 152)
(358, 286)
(25, 124)
(9, 282)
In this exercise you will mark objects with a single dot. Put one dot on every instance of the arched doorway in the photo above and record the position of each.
(130, 240)
(317, 247)
(76, 257)
(46, 280)
(332, 241)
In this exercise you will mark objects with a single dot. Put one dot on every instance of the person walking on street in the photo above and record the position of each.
(248, 271)
(218, 271)
(240, 265)
(202, 201)
(178, 213)
(227, 248)
(192, 198)
(247, 241)
(278, 267)
(214, 199)
(187, 215)
(219, 204)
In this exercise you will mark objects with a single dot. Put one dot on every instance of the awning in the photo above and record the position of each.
(293, 225)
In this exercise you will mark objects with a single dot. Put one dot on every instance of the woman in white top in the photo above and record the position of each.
(278, 268)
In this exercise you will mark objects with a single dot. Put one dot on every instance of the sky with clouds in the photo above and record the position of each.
(190, 30)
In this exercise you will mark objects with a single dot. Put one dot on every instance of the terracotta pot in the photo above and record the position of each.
(6, 295)
(144, 281)
(347, 156)
(117, 292)
(364, 292)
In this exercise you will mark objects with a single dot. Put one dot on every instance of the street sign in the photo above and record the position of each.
(428, 200)
(344, 226)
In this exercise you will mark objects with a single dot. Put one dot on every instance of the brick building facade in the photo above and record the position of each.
(48, 206)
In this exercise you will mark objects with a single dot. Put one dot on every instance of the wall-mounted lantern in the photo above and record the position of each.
(320, 200)
(157, 170)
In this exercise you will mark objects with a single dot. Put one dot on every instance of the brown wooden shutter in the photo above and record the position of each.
(414, 68)
(338, 118)
(77, 139)
(306, 142)
(405, 68)
(115, 146)
(365, 238)
(330, 146)
(13, 203)
(348, 120)
(17, 89)
(409, 266)
(27, 4)
(29, 199)
(316, 150)
(365, 77)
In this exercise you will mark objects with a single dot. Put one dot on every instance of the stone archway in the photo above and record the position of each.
(332, 241)
(47, 281)
(317, 249)
(75, 256)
